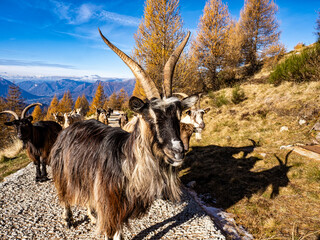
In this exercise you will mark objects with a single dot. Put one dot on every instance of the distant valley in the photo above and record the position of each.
(43, 91)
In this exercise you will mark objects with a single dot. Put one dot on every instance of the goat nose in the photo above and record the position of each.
(201, 125)
(177, 145)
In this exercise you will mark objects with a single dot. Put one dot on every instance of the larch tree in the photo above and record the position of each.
(259, 30)
(14, 100)
(53, 108)
(98, 100)
(113, 101)
(123, 99)
(37, 114)
(210, 46)
(83, 104)
(159, 33)
(66, 103)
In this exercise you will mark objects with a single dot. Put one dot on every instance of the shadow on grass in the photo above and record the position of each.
(229, 179)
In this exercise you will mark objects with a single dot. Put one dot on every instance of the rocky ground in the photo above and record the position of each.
(30, 210)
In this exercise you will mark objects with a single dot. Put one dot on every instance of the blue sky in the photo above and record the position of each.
(60, 37)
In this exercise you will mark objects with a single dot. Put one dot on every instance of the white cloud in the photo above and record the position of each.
(118, 18)
(85, 13)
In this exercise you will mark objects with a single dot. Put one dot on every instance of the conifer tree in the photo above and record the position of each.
(259, 29)
(53, 108)
(82, 103)
(66, 103)
(159, 33)
(123, 99)
(98, 100)
(113, 101)
(37, 114)
(210, 45)
(77, 104)
(14, 99)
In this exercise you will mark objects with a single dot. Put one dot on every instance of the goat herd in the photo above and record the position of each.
(116, 172)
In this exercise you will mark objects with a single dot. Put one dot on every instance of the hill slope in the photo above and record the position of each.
(272, 193)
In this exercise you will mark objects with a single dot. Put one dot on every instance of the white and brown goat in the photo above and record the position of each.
(116, 173)
(192, 123)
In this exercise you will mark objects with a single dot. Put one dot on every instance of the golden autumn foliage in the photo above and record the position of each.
(98, 100)
(14, 100)
(66, 103)
(53, 108)
(82, 103)
(37, 114)
(210, 46)
(159, 33)
(259, 29)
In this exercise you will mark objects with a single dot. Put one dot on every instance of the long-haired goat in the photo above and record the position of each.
(102, 115)
(37, 138)
(123, 119)
(119, 174)
(70, 118)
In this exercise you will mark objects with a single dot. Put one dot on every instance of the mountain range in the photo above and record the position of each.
(43, 91)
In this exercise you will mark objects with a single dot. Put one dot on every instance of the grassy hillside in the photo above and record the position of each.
(271, 199)
(12, 159)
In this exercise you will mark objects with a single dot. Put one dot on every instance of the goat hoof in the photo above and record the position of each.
(44, 179)
(68, 224)
(38, 179)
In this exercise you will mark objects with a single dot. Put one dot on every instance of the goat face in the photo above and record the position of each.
(163, 118)
(23, 127)
(196, 117)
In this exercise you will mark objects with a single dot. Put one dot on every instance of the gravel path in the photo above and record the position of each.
(30, 210)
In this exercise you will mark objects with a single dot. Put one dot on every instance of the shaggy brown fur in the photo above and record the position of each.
(117, 173)
(186, 130)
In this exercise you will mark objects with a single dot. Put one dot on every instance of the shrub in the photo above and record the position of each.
(238, 95)
(299, 67)
(218, 100)
(299, 46)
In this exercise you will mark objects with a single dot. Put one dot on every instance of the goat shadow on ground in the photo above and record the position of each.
(229, 179)
(190, 211)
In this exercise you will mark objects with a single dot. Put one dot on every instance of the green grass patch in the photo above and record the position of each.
(299, 67)
(11, 165)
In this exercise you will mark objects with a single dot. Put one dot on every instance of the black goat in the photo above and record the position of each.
(119, 174)
(37, 138)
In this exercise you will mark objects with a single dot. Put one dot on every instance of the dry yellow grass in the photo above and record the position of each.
(12, 158)
(270, 201)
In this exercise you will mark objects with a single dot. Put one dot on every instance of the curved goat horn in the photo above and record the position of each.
(25, 110)
(170, 65)
(148, 85)
(12, 113)
(181, 94)
(199, 100)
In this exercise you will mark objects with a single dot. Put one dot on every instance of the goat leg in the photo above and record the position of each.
(44, 175)
(67, 215)
(117, 236)
(92, 214)
(38, 170)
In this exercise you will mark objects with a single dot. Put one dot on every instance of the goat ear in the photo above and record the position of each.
(189, 101)
(207, 110)
(136, 104)
(30, 118)
(9, 123)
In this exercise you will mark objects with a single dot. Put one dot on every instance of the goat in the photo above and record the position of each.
(102, 115)
(59, 119)
(123, 119)
(119, 174)
(192, 122)
(70, 118)
(37, 138)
